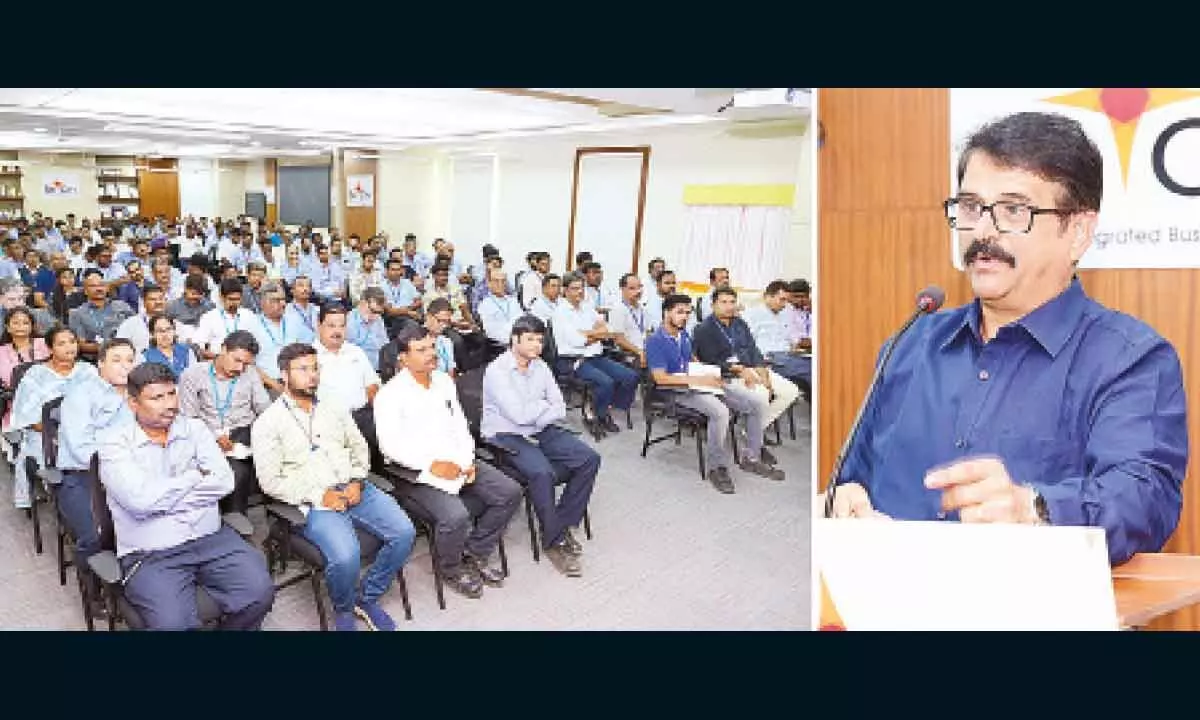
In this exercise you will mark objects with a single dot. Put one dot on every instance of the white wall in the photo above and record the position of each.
(533, 204)
(38, 164)
(231, 189)
(199, 187)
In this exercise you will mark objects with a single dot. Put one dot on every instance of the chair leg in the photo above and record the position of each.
(791, 413)
(437, 577)
(587, 524)
(503, 558)
(733, 437)
(629, 417)
(315, 576)
(110, 600)
(60, 537)
(533, 538)
(778, 437)
(35, 515)
(85, 599)
(404, 594)
(646, 440)
(700, 455)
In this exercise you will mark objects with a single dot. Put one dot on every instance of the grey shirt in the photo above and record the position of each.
(519, 403)
(237, 402)
(92, 324)
(179, 311)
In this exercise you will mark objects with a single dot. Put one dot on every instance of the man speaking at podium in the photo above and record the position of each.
(1033, 404)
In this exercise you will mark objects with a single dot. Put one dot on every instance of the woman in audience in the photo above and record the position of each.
(66, 297)
(165, 347)
(41, 384)
(17, 346)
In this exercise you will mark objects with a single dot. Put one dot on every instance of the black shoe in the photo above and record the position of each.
(767, 457)
(719, 477)
(563, 561)
(571, 544)
(489, 575)
(596, 428)
(758, 467)
(464, 582)
(610, 425)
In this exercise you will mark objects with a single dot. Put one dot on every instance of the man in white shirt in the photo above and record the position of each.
(578, 332)
(347, 374)
(167, 278)
(423, 428)
(717, 278)
(136, 328)
(653, 299)
(596, 292)
(368, 275)
(654, 268)
(216, 324)
(544, 305)
(769, 328)
(533, 280)
(628, 319)
(498, 310)
(75, 253)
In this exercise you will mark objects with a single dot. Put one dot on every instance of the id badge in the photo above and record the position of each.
(733, 360)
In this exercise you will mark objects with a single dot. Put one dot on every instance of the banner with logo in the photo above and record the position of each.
(360, 191)
(1150, 140)
(60, 185)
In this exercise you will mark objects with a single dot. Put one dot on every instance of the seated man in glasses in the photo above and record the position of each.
(1032, 404)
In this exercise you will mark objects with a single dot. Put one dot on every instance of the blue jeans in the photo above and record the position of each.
(75, 502)
(612, 383)
(539, 466)
(334, 534)
(793, 367)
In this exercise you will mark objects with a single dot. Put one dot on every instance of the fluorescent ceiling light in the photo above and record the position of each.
(175, 132)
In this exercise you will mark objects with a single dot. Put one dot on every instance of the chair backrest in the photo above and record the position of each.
(100, 511)
(520, 289)
(550, 348)
(470, 397)
(51, 419)
(699, 308)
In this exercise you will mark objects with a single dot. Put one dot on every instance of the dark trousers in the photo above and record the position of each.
(245, 484)
(491, 500)
(162, 588)
(75, 502)
(364, 418)
(612, 383)
(556, 452)
(796, 368)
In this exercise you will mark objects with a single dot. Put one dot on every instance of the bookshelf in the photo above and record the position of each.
(117, 181)
(12, 202)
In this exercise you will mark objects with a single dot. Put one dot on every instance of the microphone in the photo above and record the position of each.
(929, 301)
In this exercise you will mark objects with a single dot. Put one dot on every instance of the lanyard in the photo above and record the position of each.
(237, 319)
(306, 317)
(312, 446)
(282, 329)
(222, 408)
(728, 335)
(684, 359)
(443, 356)
(639, 317)
(502, 307)
(98, 323)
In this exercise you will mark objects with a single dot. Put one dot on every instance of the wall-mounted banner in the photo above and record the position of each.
(1150, 140)
(360, 191)
(60, 185)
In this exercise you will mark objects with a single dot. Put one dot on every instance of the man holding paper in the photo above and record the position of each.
(700, 387)
(421, 426)
(1033, 404)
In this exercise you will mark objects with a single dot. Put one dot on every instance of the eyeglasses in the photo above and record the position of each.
(1009, 217)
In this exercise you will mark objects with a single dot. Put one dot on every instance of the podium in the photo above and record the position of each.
(1147, 587)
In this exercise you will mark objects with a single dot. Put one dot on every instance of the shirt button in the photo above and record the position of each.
(983, 375)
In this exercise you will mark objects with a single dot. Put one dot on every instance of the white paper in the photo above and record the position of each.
(450, 486)
(890, 575)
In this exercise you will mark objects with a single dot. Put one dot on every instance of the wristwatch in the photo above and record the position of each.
(1038, 507)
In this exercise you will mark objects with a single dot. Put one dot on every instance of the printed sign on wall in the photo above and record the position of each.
(60, 185)
(360, 191)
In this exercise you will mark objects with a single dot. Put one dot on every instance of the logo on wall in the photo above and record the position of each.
(360, 191)
(60, 185)
(1150, 216)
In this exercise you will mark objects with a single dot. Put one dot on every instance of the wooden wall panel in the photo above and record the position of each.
(883, 172)
(358, 220)
(271, 173)
(159, 191)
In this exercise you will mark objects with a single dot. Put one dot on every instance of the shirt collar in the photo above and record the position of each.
(179, 430)
(1050, 325)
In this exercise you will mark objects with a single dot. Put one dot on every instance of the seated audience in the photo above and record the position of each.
(165, 347)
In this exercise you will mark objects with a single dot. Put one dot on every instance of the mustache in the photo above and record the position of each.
(990, 249)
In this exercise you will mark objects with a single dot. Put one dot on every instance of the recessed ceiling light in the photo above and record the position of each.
(40, 130)
(255, 143)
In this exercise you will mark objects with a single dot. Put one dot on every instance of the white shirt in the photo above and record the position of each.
(215, 326)
(345, 374)
(531, 287)
(604, 297)
(498, 316)
(135, 329)
(633, 323)
(570, 325)
(543, 309)
(768, 329)
(417, 426)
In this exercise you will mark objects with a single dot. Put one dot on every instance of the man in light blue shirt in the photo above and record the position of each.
(542, 306)
(90, 406)
(521, 404)
(717, 278)
(499, 310)
(403, 299)
(769, 328)
(163, 475)
(301, 312)
(364, 325)
(273, 333)
(329, 279)
(419, 262)
(654, 299)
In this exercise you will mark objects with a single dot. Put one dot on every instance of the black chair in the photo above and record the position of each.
(661, 403)
(286, 540)
(568, 382)
(51, 420)
(31, 464)
(470, 390)
(107, 569)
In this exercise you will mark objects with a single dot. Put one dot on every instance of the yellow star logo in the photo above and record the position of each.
(1124, 108)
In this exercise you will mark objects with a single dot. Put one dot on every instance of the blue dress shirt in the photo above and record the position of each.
(370, 336)
(1082, 403)
(91, 406)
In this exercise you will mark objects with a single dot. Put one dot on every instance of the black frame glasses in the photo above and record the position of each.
(950, 205)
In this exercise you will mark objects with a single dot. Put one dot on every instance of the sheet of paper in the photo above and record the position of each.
(888, 575)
